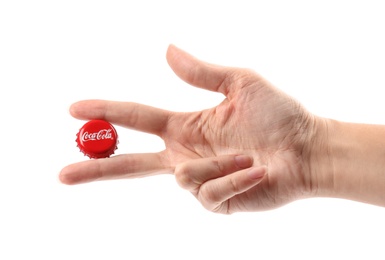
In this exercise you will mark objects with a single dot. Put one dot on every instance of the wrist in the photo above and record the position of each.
(348, 161)
(319, 167)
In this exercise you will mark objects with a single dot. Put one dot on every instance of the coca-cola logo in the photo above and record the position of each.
(101, 135)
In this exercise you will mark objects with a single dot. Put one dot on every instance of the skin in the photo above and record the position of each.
(257, 150)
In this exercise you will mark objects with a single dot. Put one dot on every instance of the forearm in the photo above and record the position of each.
(352, 162)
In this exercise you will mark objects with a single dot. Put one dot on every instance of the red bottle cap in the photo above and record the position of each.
(97, 139)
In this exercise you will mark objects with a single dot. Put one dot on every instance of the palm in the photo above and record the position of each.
(272, 131)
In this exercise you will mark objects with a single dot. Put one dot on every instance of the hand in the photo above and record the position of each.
(249, 153)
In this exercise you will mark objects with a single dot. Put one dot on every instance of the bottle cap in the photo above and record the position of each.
(97, 139)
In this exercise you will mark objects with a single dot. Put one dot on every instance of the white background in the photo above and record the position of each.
(327, 54)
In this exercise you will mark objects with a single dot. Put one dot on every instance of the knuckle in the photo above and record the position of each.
(212, 202)
(218, 164)
(234, 186)
(208, 197)
(183, 177)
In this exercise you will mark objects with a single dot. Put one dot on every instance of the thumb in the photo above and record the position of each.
(196, 72)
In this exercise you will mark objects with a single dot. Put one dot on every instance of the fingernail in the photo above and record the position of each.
(257, 172)
(243, 161)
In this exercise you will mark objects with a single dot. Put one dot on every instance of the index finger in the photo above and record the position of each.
(128, 114)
